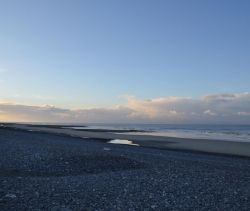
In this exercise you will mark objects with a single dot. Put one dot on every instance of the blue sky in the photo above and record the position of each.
(78, 54)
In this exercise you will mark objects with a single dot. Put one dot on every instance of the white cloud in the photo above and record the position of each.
(220, 108)
(209, 112)
(242, 113)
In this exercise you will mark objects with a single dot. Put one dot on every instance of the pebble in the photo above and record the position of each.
(122, 178)
(10, 195)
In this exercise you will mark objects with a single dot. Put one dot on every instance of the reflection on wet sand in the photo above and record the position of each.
(122, 141)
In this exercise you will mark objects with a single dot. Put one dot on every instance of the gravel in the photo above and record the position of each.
(40, 171)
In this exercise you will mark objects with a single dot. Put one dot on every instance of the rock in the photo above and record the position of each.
(153, 206)
(10, 195)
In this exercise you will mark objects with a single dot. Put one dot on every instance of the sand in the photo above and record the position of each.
(201, 145)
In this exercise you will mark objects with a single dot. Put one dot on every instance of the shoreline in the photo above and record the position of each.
(197, 145)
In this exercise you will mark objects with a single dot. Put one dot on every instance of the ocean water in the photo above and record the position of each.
(218, 132)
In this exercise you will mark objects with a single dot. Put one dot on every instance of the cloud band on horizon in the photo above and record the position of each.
(210, 109)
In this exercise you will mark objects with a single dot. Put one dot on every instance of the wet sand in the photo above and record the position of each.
(199, 145)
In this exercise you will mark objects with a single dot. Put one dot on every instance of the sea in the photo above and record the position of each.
(195, 131)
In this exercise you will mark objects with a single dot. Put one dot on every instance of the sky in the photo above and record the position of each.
(167, 61)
